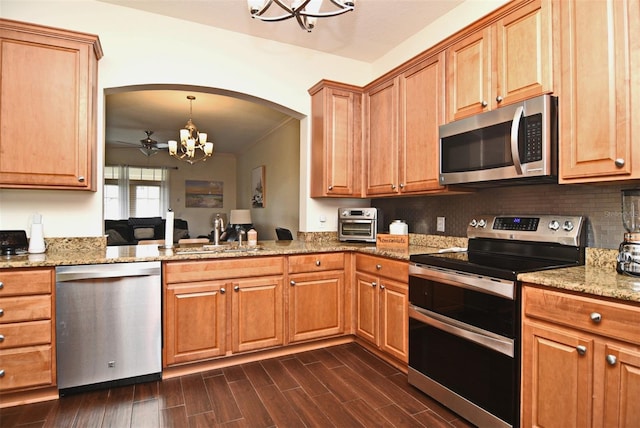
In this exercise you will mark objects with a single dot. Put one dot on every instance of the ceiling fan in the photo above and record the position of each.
(150, 146)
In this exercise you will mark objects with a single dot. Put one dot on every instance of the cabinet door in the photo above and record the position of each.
(469, 75)
(598, 83)
(394, 318)
(367, 305)
(523, 56)
(336, 142)
(316, 305)
(557, 374)
(257, 314)
(47, 110)
(422, 105)
(622, 387)
(381, 151)
(195, 327)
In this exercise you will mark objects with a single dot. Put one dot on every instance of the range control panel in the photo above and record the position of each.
(561, 229)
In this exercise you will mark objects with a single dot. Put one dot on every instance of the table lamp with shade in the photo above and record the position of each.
(239, 220)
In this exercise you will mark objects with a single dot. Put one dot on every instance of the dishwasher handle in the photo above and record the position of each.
(113, 270)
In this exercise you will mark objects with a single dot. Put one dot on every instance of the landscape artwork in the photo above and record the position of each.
(203, 194)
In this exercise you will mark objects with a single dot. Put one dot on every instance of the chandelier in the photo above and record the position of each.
(191, 141)
(305, 11)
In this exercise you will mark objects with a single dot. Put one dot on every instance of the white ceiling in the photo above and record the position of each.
(366, 34)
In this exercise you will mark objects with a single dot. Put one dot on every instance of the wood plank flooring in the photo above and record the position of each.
(340, 386)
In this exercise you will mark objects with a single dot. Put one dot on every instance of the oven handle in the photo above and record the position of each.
(482, 284)
(481, 337)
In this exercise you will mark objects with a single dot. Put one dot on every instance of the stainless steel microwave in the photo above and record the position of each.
(515, 144)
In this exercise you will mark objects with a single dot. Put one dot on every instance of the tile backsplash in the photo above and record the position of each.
(601, 204)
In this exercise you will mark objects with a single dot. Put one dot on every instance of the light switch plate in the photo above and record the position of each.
(440, 224)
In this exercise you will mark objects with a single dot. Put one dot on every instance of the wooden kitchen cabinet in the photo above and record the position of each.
(499, 64)
(382, 304)
(599, 90)
(216, 307)
(47, 107)
(336, 140)
(403, 114)
(581, 361)
(316, 295)
(27, 332)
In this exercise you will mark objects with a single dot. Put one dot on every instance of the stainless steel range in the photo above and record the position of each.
(464, 311)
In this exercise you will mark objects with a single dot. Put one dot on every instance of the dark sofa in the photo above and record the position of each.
(134, 229)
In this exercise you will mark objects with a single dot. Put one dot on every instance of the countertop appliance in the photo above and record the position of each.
(13, 242)
(108, 325)
(514, 144)
(359, 224)
(464, 311)
(629, 253)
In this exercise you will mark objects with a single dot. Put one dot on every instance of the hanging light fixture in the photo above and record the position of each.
(191, 141)
(305, 12)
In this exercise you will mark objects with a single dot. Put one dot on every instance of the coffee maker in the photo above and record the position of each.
(629, 254)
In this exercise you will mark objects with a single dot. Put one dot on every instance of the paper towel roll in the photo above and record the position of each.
(168, 230)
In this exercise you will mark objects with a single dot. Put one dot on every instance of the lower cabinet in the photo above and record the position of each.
(381, 316)
(581, 361)
(317, 296)
(216, 307)
(27, 331)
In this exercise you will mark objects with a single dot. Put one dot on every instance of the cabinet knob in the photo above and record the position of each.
(1, 285)
(318, 263)
(393, 187)
(484, 103)
(499, 99)
(1, 338)
(382, 287)
(81, 179)
(611, 360)
(223, 290)
(1, 373)
(595, 317)
(1, 312)
(292, 283)
(619, 162)
(330, 187)
(236, 288)
(402, 185)
(374, 284)
(581, 349)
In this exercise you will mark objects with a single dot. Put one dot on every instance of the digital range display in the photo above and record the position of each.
(528, 224)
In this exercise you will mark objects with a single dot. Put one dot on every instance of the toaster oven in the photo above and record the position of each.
(358, 224)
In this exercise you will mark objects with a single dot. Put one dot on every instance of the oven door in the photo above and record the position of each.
(357, 230)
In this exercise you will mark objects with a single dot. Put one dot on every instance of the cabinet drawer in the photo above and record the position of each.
(29, 308)
(25, 334)
(381, 266)
(19, 282)
(26, 367)
(223, 269)
(617, 321)
(316, 262)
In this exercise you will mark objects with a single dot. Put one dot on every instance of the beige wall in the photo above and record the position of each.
(279, 152)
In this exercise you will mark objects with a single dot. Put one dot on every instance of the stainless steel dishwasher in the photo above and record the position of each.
(108, 325)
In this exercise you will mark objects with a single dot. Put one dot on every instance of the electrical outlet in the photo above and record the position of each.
(440, 224)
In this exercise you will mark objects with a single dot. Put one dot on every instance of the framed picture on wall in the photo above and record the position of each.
(204, 194)
(258, 189)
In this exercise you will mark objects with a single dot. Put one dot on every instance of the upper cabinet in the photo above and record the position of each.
(402, 115)
(336, 122)
(507, 61)
(599, 90)
(47, 107)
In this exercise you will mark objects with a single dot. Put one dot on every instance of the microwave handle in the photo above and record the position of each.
(515, 130)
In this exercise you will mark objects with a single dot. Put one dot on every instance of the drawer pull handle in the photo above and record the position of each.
(292, 283)
(317, 262)
(1, 285)
(581, 349)
(1, 338)
(611, 360)
(596, 317)
(378, 267)
(1, 373)
(1, 312)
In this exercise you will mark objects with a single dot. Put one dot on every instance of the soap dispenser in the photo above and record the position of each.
(36, 240)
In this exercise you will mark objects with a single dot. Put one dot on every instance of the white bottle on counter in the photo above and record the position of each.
(36, 240)
(252, 238)
(398, 227)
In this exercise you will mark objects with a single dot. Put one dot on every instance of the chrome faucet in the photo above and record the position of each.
(218, 228)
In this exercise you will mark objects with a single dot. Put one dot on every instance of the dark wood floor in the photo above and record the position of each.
(341, 386)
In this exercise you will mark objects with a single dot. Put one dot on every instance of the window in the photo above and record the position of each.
(135, 192)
